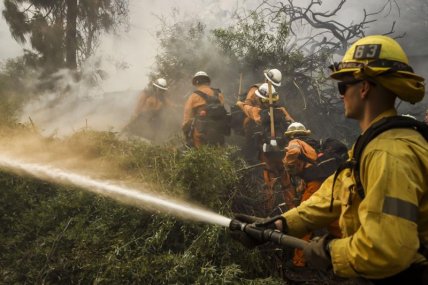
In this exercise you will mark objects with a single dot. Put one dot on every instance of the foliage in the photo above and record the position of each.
(62, 33)
(14, 88)
(60, 234)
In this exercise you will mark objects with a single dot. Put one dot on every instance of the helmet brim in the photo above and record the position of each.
(258, 94)
(270, 80)
(160, 87)
(296, 132)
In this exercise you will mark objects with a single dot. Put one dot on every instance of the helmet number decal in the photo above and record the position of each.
(367, 51)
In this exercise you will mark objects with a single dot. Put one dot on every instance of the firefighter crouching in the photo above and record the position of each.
(381, 194)
(301, 160)
(205, 120)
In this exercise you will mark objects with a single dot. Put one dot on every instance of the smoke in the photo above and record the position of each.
(116, 74)
(124, 61)
(410, 29)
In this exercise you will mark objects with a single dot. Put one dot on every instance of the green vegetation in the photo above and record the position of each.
(55, 234)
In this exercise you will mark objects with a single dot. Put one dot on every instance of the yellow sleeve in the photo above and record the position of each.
(313, 213)
(387, 240)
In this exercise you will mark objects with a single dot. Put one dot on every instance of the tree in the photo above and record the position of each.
(63, 33)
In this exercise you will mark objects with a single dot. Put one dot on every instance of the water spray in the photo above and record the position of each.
(120, 193)
(139, 198)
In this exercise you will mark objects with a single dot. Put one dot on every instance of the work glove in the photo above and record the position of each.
(317, 253)
(262, 223)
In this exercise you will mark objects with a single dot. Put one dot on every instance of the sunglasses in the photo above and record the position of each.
(343, 85)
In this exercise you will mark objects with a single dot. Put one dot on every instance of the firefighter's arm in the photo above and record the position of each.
(188, 110)
(314, 213)
(287, 115)
(252, 112)
(387, 240)
(249, 100)
(221, 98)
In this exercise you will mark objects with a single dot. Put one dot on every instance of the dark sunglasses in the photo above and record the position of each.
(343, 85)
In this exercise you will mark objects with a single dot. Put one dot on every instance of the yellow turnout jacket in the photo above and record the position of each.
(381, 233)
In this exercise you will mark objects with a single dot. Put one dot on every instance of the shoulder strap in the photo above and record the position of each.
(395, 122)
(207, 98)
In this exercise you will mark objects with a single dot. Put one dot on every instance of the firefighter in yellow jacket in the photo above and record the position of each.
(381, 200)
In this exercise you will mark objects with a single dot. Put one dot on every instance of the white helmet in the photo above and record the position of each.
(160, 83)
(200, 76)
(263, 92)
(297, 128)
(274, 76)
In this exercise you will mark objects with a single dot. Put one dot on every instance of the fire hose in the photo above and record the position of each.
(266, 234)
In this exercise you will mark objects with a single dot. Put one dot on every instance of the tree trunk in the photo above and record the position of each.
(71, 34)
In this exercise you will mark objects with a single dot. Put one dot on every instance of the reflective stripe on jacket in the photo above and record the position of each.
(381, 233)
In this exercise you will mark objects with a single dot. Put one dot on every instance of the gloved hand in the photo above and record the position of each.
(262, 223)
(240, 104)
(317, 253)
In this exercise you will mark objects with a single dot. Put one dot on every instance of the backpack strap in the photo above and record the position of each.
(209, 99)
(394, 122)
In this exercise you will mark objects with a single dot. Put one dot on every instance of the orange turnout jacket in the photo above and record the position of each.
(193, 106)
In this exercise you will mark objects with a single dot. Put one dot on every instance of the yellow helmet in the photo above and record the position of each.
(381, 53)
(381, 59)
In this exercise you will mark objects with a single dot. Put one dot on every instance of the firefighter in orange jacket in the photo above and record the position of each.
(205, 118)
(300, 160)
(273, 169)
(151, 103)
(273, 76)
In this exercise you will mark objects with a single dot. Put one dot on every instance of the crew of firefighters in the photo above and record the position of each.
(371, 202)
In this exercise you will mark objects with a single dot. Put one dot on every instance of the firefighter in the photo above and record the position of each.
(271, 75)
(152, 103)
(381, 195)
(301, 161)
(254, 111)
(205, 118)
(273, 171)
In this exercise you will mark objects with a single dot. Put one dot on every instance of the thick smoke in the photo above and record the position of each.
(124, 61)
(120, 70)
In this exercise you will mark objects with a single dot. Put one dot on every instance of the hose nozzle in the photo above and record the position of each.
(265, 235)
(236, 225)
